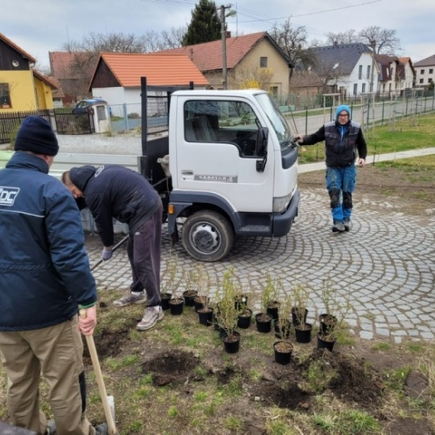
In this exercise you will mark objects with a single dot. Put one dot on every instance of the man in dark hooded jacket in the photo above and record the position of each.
(45, 277)
(343, 138)
(114, 191)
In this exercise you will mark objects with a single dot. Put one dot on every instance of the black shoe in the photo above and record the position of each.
(347, 224)
(338, 227)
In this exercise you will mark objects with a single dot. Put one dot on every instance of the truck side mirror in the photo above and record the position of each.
(261, 148)
(261, 142)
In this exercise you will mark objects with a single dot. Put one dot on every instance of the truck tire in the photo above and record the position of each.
(207, 236)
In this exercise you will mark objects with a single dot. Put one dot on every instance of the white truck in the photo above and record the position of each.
(232, 169)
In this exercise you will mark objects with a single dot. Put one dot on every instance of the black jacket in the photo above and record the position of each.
(44, 268)
(341, 143)
(113, 191)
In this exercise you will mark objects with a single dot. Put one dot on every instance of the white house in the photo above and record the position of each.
(425, 71)
(347, 68)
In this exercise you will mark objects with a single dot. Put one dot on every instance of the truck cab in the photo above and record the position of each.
(233, 169)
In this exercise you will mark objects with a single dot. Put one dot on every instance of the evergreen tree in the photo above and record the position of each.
(205, 25)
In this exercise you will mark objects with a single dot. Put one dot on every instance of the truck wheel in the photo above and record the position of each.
(207, 236)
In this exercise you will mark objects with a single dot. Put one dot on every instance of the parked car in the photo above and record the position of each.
(86, 106)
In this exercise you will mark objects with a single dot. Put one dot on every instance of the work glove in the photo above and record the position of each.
(106, 254)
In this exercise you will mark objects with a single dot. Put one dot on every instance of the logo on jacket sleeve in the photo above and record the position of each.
(8, 195)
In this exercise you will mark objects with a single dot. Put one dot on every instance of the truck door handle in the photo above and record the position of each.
(186, 172)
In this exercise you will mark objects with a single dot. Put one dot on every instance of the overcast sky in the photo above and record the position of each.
(40, 26)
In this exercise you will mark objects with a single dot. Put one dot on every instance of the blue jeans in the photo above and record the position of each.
(340, 183)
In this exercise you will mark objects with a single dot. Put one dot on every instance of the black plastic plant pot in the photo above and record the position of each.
(303, 335)
(165, 300)
(323, 342)
(274, 310)
(231, 342)
(176, 306)
(244, 319)
(205, 316)
(283, 351)
(263, 322)
(189, 296)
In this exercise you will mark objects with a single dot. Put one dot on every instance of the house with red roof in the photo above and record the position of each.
(396, 75)
(253, 60)
(22, 88)
(117, 76)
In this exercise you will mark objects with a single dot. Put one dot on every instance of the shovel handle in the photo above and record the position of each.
(121, 242)
(99, 378)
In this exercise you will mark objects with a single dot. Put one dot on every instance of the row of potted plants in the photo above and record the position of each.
(229, 312)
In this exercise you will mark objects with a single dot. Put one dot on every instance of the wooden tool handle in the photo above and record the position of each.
(99, 378)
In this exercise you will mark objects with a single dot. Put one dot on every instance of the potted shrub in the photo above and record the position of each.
(245, 313)
(191, 292)
(331, 321)
(264, 318)
(176, 303)
(169, 282)
(282, 324)
(202, 300)
(227, 313)
(299, 314)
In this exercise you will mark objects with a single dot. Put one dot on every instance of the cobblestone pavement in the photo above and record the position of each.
(386, 263)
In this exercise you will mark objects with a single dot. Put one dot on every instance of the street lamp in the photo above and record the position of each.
(224, 15)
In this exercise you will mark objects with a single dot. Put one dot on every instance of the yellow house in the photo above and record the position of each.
(252, 61)
(22, 88)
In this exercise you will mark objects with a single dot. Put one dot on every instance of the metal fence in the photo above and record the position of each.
(63, 121)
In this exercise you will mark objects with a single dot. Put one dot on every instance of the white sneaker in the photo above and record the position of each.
(151, 316)
(129, 299)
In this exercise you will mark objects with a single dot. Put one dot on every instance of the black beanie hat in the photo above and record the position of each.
(37, 136)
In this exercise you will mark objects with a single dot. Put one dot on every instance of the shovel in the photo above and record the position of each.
(113, 250)
(108, 401)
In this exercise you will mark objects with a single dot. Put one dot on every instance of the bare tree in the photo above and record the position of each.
(173, 38)
(385, 40)
(254, 77)
(347, 37)
(293, 41)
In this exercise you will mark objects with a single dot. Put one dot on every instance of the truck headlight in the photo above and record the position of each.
(281, 203)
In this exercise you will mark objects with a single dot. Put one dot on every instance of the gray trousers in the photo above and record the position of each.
(144, 248)
(57, 352)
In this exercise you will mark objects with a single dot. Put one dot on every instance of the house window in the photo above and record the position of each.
(421, 81)
(429, 80)
(359, 73)
(355, 88)
(422, 71)
(368, 71)
(431, 71)
(363, 88)
(274, 91)
(5, 96)
(263, 62)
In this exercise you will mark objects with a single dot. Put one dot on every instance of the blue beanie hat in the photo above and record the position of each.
(37, 136)
(341, 108)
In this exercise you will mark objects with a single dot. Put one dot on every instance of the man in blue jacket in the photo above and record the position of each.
(45, 277)
(114, 191)
(343, 138)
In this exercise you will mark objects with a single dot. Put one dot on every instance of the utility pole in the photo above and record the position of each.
(373, 46)
(224, 43)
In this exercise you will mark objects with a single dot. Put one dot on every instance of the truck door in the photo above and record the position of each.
(218, 154)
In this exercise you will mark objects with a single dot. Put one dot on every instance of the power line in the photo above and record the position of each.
(315, 13)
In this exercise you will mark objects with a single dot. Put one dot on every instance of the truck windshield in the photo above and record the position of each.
(277, 120)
